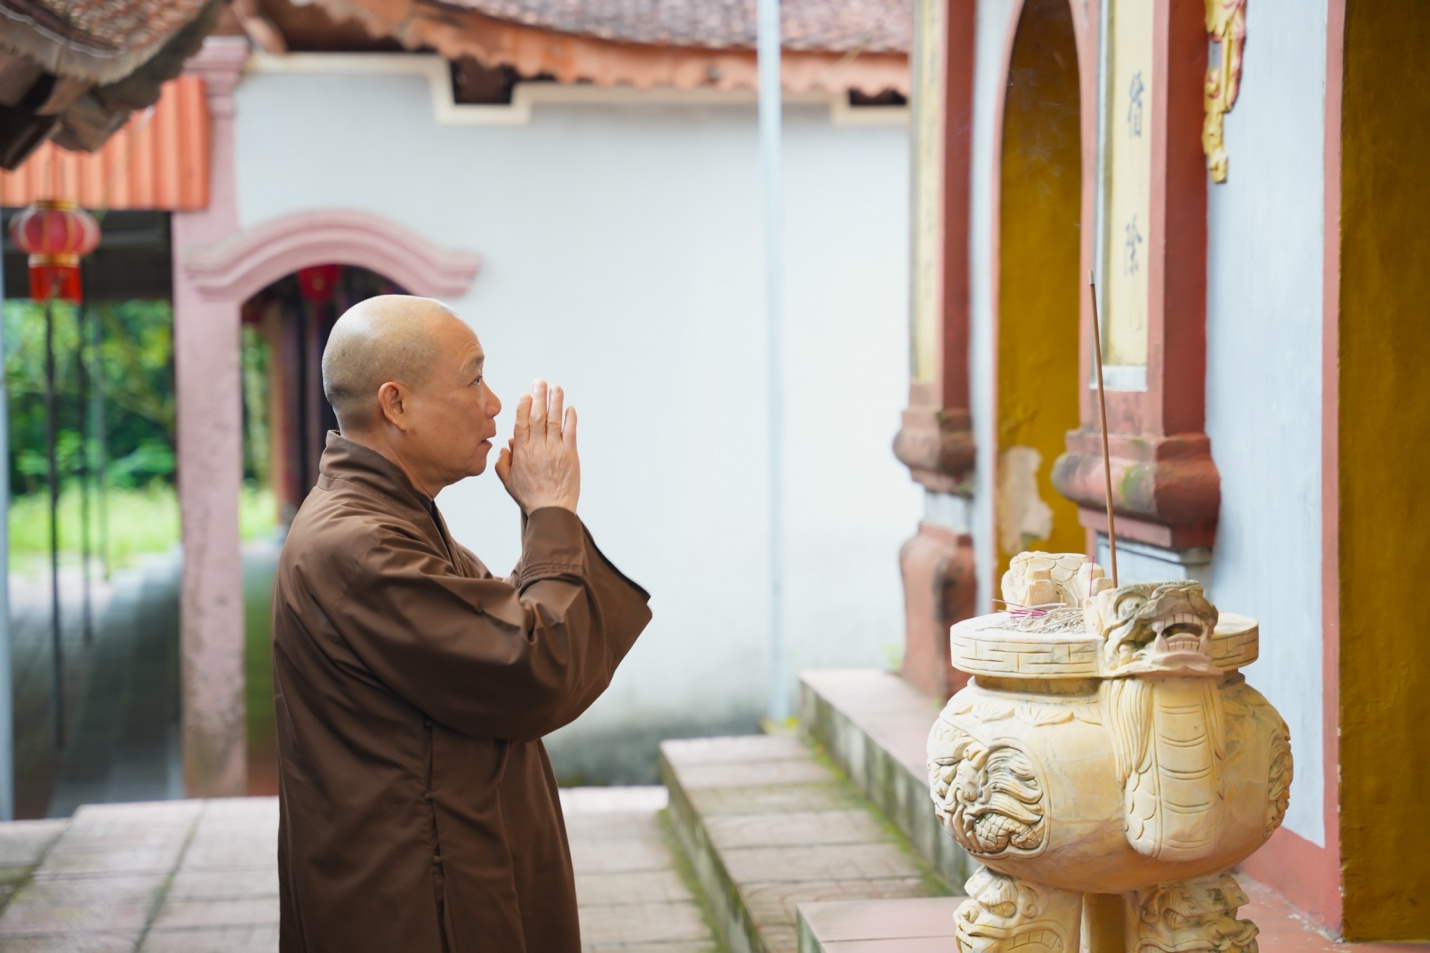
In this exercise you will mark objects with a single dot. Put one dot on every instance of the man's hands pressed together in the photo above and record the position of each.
(539, 466)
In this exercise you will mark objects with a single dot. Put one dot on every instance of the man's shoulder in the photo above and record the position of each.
(334, 530)
(327, 517)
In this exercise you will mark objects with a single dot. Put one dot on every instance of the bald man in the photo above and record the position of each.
(418, 809)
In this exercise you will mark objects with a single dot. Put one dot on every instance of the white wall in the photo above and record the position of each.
(622, 248)
(994, 21)
(1264, 320)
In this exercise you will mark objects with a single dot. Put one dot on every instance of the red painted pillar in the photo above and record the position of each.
(936, 440)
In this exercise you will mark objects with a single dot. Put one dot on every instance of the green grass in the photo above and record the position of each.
(140, 521)
(258, 656)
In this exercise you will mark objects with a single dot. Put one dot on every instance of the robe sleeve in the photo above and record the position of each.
(493, 658)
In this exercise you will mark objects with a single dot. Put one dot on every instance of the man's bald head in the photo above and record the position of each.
(386, 338)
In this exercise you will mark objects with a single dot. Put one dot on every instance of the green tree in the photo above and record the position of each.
(135, 366)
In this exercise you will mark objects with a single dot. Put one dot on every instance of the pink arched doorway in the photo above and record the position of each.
(210, 288)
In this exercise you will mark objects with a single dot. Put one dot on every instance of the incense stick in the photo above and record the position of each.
(1102, 413)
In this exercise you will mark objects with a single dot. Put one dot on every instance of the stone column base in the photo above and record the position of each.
(939, 589)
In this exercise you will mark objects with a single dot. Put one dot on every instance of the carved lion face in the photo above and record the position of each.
(988, 796)
(1154, 629)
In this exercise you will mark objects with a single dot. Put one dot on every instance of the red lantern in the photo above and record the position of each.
(318, 283)
(56, 233)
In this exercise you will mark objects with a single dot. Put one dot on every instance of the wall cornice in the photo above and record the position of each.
(236, 269)
(446, 111)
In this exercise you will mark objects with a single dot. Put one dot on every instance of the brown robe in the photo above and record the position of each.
(418, 810)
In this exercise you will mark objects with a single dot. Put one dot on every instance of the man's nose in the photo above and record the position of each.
(495, 407)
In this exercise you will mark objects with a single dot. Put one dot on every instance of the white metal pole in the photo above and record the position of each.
(7, 711)
(768, 51)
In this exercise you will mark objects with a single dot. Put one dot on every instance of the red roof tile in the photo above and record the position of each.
(160, 160)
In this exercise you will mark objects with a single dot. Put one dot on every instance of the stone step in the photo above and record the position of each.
(630, 892)
(767, 825)
(874, 726)
(916, 925)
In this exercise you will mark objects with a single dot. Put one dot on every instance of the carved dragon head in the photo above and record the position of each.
(1160, 628)
(1002, 913)
(1193, 916)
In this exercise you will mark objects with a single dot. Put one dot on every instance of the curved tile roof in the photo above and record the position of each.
(98, 41)
(830, 45)
(874, 26)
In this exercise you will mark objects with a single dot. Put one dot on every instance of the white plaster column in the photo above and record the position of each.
(210, 451)
(7, 700)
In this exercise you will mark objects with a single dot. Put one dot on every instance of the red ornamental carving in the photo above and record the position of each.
(56, 233)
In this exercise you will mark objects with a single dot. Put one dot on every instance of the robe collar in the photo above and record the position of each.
(347, 461)
(350, 461)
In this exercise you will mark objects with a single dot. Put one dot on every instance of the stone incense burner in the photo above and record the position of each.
(1107, 748)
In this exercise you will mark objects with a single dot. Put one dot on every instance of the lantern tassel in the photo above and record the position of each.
(53, 278)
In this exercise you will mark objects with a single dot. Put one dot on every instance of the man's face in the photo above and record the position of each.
(452, 415)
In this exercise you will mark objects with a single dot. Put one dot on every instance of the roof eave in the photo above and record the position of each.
(70, 54)
(572, 58)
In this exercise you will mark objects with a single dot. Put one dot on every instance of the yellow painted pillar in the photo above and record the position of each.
(1384, 433)
(1039, 286)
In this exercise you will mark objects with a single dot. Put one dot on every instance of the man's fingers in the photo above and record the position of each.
(521, 430)
(503, 466)
(568, 432)
(538, 407)
(555, 414)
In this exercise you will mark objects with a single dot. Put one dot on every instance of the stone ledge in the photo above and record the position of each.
(926, 926)
(767, 826)
(875, 726)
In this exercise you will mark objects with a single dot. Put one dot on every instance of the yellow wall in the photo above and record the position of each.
(1039, 283)
(1384, 469)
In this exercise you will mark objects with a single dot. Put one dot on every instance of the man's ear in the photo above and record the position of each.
(392, 401)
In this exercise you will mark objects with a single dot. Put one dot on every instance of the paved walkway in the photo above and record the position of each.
(37, 757)
(121, 717)
(199, 877)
